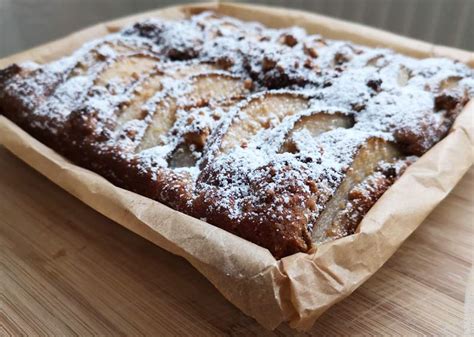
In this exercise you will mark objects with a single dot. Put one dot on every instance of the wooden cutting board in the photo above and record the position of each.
(67, 270)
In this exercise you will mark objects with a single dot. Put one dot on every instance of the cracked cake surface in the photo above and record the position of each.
(284, 138)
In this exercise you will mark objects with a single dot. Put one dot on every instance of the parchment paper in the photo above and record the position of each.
(298, 288)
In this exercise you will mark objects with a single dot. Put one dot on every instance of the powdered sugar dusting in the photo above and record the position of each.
(378, 93)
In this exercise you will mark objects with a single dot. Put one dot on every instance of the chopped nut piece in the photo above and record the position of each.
(289, 40)
(225, 62)
(268, 64)
(311, 51)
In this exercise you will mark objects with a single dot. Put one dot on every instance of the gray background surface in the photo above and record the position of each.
(27, 23)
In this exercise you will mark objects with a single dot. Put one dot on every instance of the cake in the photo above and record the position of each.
(281, 137)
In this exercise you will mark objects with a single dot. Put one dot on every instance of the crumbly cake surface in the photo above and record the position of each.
(284, 138)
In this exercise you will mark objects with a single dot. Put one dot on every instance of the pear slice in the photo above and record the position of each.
(220, 88)
(364, 195)
(316, 124)
(262, 112)
(126, 70)
(96, 55)
(163, 119)
(141, 94)
(189, 70)
(215, 87)
(365, 162)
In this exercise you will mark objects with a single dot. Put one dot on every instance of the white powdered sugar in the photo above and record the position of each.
(388, 96)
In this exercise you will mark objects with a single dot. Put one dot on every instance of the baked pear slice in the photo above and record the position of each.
(215, 87)
(141, 94)
(163, 119)
(367, 159)
(107, 51)
(363, 196)
(219, 89)
(262, 112)
(316, 124)
(185, 71)
(126, 70)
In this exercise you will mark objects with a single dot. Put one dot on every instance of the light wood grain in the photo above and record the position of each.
(67, 270)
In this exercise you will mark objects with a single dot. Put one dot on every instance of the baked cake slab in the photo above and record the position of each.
(281, 136)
